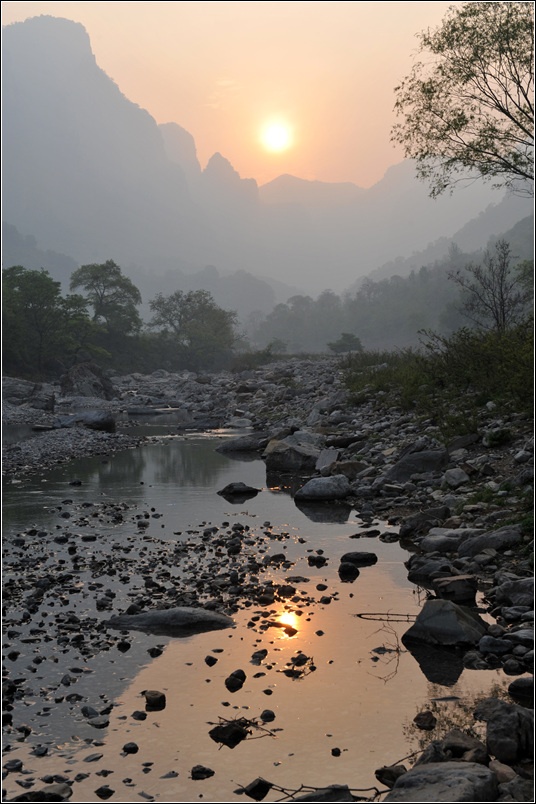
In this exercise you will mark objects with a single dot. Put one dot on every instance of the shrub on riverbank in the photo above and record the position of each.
(450, 378)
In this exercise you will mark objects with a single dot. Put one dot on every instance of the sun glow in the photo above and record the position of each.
(276, 136)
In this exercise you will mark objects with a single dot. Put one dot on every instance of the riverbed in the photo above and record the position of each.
(346, 710)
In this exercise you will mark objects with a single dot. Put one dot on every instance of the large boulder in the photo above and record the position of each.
(252, 442)
(445, 781)
(336, 487)
(417, 463)
(442, 622)
(509, 730)
(177, 622)
(502, 539)
(86, 379)
(446, 540)
(285, 456)
(515, 592)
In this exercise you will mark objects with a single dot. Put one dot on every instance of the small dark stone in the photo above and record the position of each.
(155, 701)
(257, 789)
(138, 715)
(235, 681)
(267, 716)
(131, 748)
(210, 660)
(201, 772)
(425, 720)
(348, 572)
(229, 734)
(104, 792)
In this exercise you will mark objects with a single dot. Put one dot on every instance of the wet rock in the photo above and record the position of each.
(253, 442)
(458, 588)
(267, 716)
(501, 539)
(424, 570)
(238, 489)
(425, 720)
(442, 622)
(515, 592)
(335, 792)
(99, 420)
(456, 744)
(104, 791)
(235, 681)
(445, 781)
(201, 772)
(86, 379)
(417, 463)
(282, 456)
(59, 791)
(336, 487)
(257, 789)
(348, 572)
(229, 734)
(509, 730)
(446, 540)
(131, 748)
(423, 521)
(177, 622)
(359, 558)
(389, 774)
(155, 700)
(522, 690)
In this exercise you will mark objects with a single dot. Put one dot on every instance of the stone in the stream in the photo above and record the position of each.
(201, 772)
(425, 720)
(267, 716)
(441, 622)
(335, 487)
(154, 700)
(458, 588)
(510, 730)
(388, 774)
(176, 622)
(238, 492)
(58, 791)
(335, 792)
(257, 789)
(131, 748)
(360, 559)
(348, 572)
(104, 792)
(522, 690)
(445, 781)
(235, 681)
(230, 734)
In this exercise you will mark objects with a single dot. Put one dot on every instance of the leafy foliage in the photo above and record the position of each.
(346, 343)
(194, 330)
(494, 294)
(468, 106)
(41, 330)
(112, 296)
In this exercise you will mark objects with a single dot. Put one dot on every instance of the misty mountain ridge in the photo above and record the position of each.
(90, 174)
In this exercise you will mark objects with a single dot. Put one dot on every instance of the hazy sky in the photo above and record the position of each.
(324, 71)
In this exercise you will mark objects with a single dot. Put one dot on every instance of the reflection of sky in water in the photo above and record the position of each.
(355, 699)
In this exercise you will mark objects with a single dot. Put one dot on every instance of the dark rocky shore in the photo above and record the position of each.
(460, 506)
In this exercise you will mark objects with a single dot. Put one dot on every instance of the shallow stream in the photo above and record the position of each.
(347, 714)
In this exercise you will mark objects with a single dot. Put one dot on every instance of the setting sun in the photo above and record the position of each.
(276, 137)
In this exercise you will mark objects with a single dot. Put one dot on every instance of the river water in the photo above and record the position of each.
(336, 723)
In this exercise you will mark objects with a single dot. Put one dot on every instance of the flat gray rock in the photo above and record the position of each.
(177, 622)
(442, 622)
(336, 487)
(445, 781)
